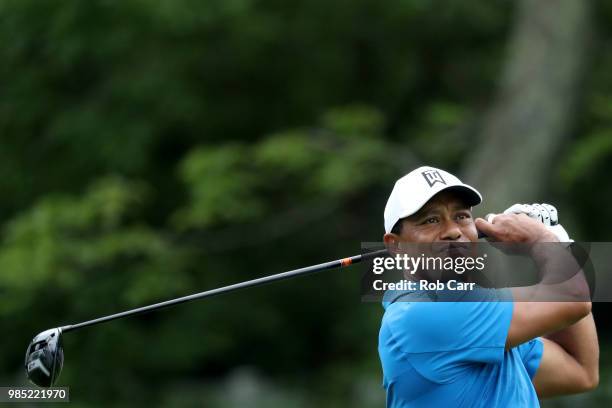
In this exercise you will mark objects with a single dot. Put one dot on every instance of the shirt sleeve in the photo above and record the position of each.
(440, 339)
(531, 355)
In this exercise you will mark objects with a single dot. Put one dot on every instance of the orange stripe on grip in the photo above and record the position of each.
(346, 261)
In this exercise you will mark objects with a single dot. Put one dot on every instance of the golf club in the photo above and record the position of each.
(45, 356)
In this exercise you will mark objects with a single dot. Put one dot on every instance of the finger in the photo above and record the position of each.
(487, 228)
(489, 217)
(554, 215)
(543, 214)
(515, 209)
(535, 213)
(526, 209)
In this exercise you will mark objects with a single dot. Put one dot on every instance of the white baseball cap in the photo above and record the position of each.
(412, 191)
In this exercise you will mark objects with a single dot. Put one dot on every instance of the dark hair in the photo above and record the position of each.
(397, 228)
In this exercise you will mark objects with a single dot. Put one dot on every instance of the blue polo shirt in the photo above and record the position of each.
(449, 352)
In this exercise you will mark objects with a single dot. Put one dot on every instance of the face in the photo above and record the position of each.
(445, 218)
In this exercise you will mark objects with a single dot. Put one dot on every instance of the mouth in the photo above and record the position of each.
(452, 249)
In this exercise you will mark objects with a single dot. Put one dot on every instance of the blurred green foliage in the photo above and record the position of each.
(154, 149)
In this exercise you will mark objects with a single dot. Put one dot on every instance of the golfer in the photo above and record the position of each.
(476, 354)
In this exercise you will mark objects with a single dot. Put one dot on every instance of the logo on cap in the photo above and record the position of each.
(432, 177)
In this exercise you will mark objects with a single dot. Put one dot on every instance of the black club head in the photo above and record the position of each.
(45, 357)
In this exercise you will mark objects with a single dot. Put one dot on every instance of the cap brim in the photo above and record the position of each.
(467, 193)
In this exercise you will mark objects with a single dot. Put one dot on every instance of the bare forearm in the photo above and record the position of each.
(580, 341)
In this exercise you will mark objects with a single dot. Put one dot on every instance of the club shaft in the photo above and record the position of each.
(339, 263)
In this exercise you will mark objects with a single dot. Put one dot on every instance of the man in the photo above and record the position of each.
(477, 354)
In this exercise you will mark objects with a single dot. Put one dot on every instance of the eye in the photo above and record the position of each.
(464, 217)
(431, 220)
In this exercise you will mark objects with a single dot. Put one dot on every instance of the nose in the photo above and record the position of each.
(450, 231)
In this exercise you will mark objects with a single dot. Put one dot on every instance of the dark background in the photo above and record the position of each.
(154, 149)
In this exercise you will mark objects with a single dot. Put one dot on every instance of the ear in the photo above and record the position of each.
(391, 238)
(392, 241)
